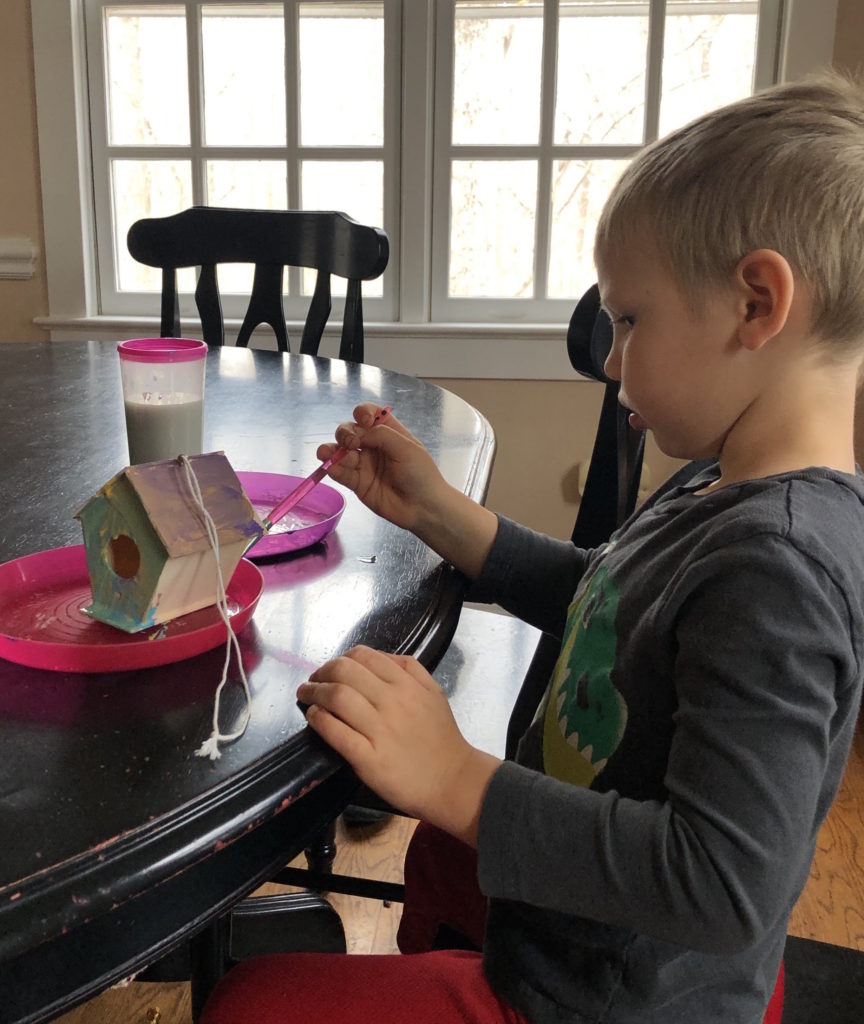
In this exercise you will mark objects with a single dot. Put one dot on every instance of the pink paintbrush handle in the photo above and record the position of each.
(301, 490)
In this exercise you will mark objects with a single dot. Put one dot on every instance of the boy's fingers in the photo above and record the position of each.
(352, 434)
(377, 662)
(365, 413)
(341, 737)
(341, 686)
(364, 416)
(392, 668)
(347, 434)
(414, 669)
(343, 701)
(347, 671)
(368, 672)
(325, 451)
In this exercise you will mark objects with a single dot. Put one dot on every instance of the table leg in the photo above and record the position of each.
(322, 850)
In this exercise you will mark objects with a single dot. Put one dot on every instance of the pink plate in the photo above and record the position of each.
(43, 624)
(306, 523)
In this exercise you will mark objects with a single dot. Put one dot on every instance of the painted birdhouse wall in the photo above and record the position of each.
(149, 556)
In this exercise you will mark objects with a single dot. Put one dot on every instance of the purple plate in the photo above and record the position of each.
(306, 523)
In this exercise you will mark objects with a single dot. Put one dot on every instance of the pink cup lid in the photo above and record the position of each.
(162, 350)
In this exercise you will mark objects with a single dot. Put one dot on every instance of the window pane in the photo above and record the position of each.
(251, 184)
(342, 74)
(248, 184)
(244, 74)
(147, 188)
(601, 73)
(354, 187)
(579, 190)
(707, 59)
(147, 80)
(496, 72)
(492, 204)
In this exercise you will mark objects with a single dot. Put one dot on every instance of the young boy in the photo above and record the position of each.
(642, 854)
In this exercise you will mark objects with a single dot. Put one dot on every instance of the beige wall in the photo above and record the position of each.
(849, 36)
(20, 195)
(544, 428)
(545, 432)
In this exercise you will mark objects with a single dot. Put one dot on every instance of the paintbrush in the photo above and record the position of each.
(291, 500)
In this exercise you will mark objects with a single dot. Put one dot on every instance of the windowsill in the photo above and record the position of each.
(455, 350)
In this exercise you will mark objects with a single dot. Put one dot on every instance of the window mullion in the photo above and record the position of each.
(195, 71)
(390, 153)
(291, 16)
(766, 63)
(445, 43)
(415, 157)
(654, 69)
(543, 217)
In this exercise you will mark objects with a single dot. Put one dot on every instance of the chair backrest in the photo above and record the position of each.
(612, 483)
(610, 491)
(205, 236)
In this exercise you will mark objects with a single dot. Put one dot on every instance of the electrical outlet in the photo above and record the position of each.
(572, 483)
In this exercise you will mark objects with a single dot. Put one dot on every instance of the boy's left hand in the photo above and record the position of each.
(391, 721)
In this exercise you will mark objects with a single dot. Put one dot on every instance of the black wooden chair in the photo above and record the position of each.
(204, 236)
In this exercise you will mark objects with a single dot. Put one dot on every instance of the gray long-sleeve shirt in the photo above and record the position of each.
(644, 851)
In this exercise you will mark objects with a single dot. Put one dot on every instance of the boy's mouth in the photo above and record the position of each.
(636, 421)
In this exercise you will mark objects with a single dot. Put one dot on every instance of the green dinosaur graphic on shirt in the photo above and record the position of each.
(585, 715)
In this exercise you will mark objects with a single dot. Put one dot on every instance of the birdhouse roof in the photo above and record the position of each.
(164, 493)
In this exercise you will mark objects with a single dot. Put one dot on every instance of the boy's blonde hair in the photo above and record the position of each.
(781, 170)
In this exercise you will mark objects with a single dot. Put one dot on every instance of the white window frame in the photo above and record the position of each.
(545, 151)
(292, 153)
(412, 344)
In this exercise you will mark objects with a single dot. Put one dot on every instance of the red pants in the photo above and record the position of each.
(328, 988)
(441, 892)
(431, 987)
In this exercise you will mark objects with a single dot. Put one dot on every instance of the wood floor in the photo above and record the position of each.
(831, 907)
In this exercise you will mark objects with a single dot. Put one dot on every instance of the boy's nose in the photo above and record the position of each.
(612, 366)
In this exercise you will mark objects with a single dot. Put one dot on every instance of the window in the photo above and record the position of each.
(540, 105)
(245, 104)
(482, 136)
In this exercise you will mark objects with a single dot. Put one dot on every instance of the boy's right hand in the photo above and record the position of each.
(393, 474)
(388, 469)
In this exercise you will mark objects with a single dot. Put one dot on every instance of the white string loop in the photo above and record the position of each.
(210, 746)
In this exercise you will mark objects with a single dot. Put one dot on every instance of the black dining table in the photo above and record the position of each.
(116, 842)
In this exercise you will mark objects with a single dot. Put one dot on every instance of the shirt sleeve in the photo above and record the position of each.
(765, 673)
(531, 575)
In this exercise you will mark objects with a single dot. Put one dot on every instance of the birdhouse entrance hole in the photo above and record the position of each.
(124, 556)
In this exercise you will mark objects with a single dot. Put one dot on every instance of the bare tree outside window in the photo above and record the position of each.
(599, 102)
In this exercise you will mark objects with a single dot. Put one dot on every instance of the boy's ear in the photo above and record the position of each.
(766, 285)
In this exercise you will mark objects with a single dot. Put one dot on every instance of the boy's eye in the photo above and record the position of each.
(628, 321)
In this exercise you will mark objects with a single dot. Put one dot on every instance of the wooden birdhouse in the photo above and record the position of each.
(149, 556)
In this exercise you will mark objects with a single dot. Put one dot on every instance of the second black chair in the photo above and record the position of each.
(205, 236)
